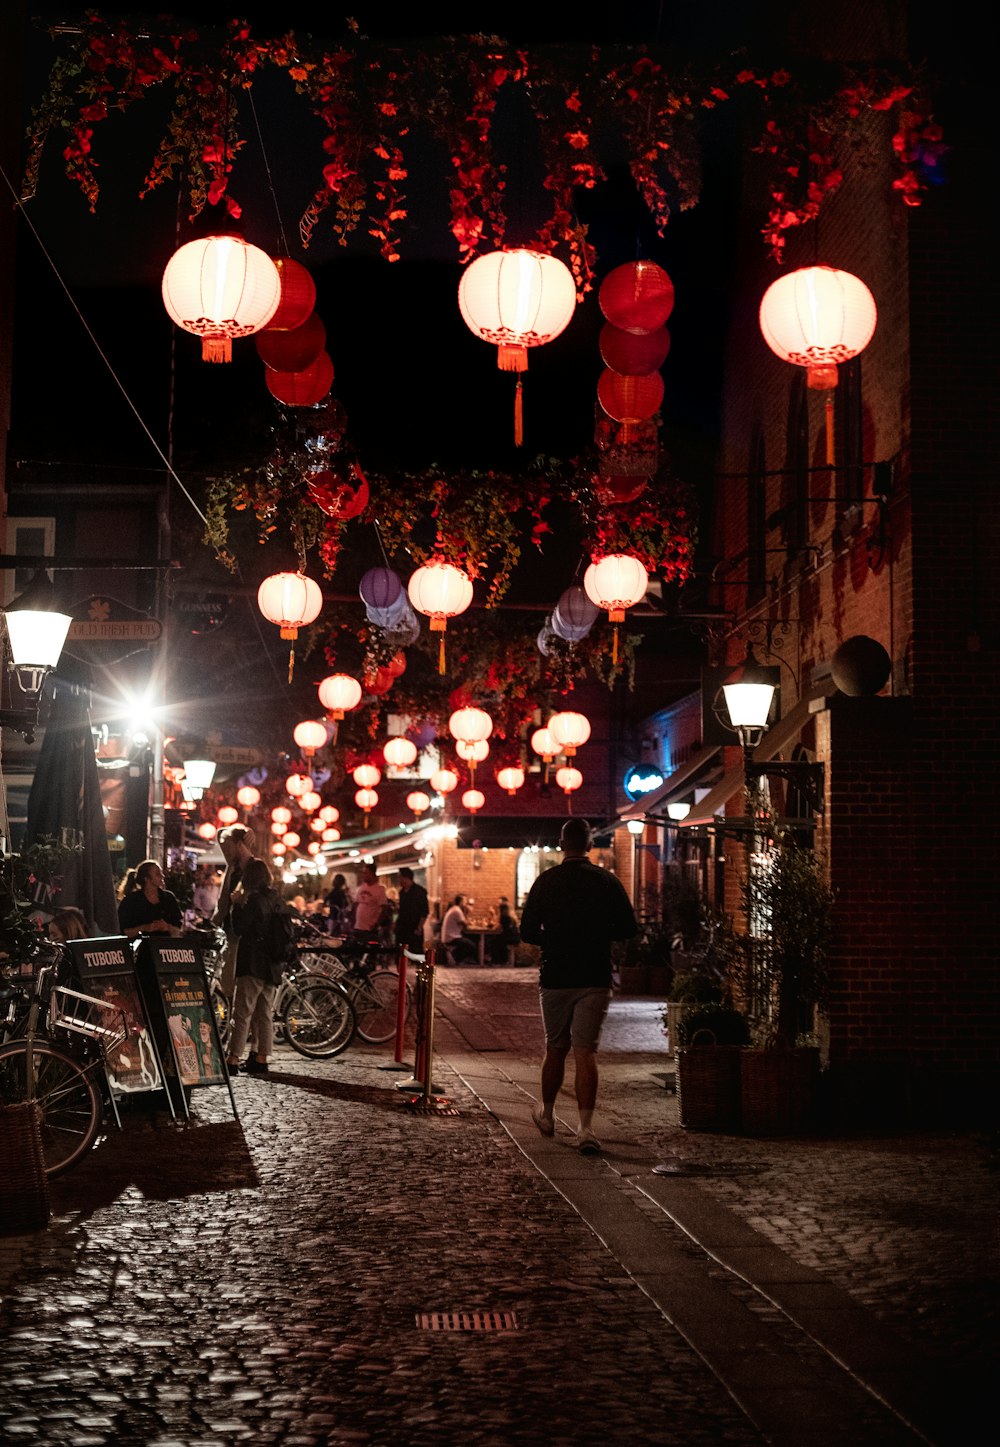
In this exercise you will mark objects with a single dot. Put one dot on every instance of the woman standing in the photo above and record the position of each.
(258, 975)
(149, 909)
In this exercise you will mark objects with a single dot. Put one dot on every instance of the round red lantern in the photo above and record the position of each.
(613, 490)
(516, 299)
(292, 350)
(305, 388)
(378, 682)
(817, 317)
(440, 592)
(219, 287)
(637, 297)
(339, 693)
(298, 295)
(337, 498)
(629, 399)
(397, 665)
(473, 799)
(633, 354)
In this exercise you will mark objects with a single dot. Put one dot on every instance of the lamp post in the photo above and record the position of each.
(748, 701)
(36, 632)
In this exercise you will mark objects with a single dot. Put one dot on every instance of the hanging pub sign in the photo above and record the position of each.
(173, 970)
(106, 969)
(106, 630)
(641, 780)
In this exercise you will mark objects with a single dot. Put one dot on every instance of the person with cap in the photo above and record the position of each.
(574, 912)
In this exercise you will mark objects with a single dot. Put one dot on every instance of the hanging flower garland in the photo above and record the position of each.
(372, 99)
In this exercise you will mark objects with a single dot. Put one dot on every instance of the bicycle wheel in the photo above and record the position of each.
(222, 1007)
(376, 999)
(70, 1101)
(318, 1017)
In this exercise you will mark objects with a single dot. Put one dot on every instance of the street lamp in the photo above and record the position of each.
(198, 776)
(36, 632)
(748, 701)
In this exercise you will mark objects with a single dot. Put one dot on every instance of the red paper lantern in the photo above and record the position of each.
(637, 297)
(302, 389)
(294, 350)
(219, 287)
(633, 354)
(298, 295)
(630, 399)
(612, 490)
(378, 682)
(397, 665)
(337, 498)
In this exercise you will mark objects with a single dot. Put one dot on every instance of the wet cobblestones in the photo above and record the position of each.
(262, 1279)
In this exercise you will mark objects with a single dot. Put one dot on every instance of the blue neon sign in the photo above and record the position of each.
(642, 779)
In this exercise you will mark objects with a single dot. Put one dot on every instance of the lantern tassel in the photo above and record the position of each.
(441, 660)
(614, 645)
(216, 348)
(829, 429)
(518, 414)
(291, 662)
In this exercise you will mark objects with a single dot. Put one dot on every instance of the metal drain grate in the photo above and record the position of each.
(432, 1107)
(467, 1321)
(713, 1168)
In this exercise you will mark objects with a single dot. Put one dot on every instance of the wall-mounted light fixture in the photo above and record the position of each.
(36, 632)
(748, 701)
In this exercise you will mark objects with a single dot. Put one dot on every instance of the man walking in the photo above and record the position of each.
(411, 912)
(574, 911)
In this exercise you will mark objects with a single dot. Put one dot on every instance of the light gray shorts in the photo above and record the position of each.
(574, 1017)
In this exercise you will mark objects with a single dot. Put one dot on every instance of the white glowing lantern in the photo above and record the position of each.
(218, 288)
(227, 814)
(473, 799)
(339, 694)
(444, 781)
(569, 779)
(291, 840)
(366, 776)
(314, 846)
(440, 592)
(366, 799)
(473, 754)
(310, 735)
(278, 849)
(329, 814)
(281, 815)
(248, 796)
(399, 753)
(277, 829)
(298, 784)
(310, 801)
(570, 731)
(206, 831)
(317, 825)
(291, 600)
(616, 582)
(418, 801)
(817, 317)
(510, 778)
(516, 299)
(331, 835)
(544, 745)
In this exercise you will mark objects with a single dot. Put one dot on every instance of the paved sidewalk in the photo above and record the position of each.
(334, 1268)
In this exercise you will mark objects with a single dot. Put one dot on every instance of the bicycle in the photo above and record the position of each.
(360, 967)
(316, 1014)
(36, 1066)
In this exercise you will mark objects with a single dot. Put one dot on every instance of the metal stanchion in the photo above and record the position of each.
(419, 1087)
(397, 1059)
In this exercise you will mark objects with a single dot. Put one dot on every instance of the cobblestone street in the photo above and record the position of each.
(276, 1278)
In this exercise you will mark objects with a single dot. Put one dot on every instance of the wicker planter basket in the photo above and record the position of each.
(708, 1086)
(779, 1090)
(24, 1186)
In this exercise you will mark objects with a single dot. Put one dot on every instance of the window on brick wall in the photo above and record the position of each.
(795, 509)
(849, 415)
(757, 518)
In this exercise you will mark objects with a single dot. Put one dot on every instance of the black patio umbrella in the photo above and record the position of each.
(65, 805)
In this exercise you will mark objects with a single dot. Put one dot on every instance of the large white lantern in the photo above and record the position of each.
(439, 591)
(616, 582)
(292, 601)
(815, 318)
(516, 299)
(219, 287)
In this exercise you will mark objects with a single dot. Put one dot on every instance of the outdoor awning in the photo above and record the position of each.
(510, 831)
(364, 846)
(683, 778)
(777, 738)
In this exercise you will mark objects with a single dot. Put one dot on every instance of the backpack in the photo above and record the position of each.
(278, 938)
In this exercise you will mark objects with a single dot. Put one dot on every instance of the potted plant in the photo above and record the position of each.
(709, 1034)
(790, 908)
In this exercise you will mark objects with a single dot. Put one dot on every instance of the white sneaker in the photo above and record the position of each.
(545, 1124)
(588, 1144)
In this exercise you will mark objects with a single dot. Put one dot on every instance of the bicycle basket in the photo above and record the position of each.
(86, 1015)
